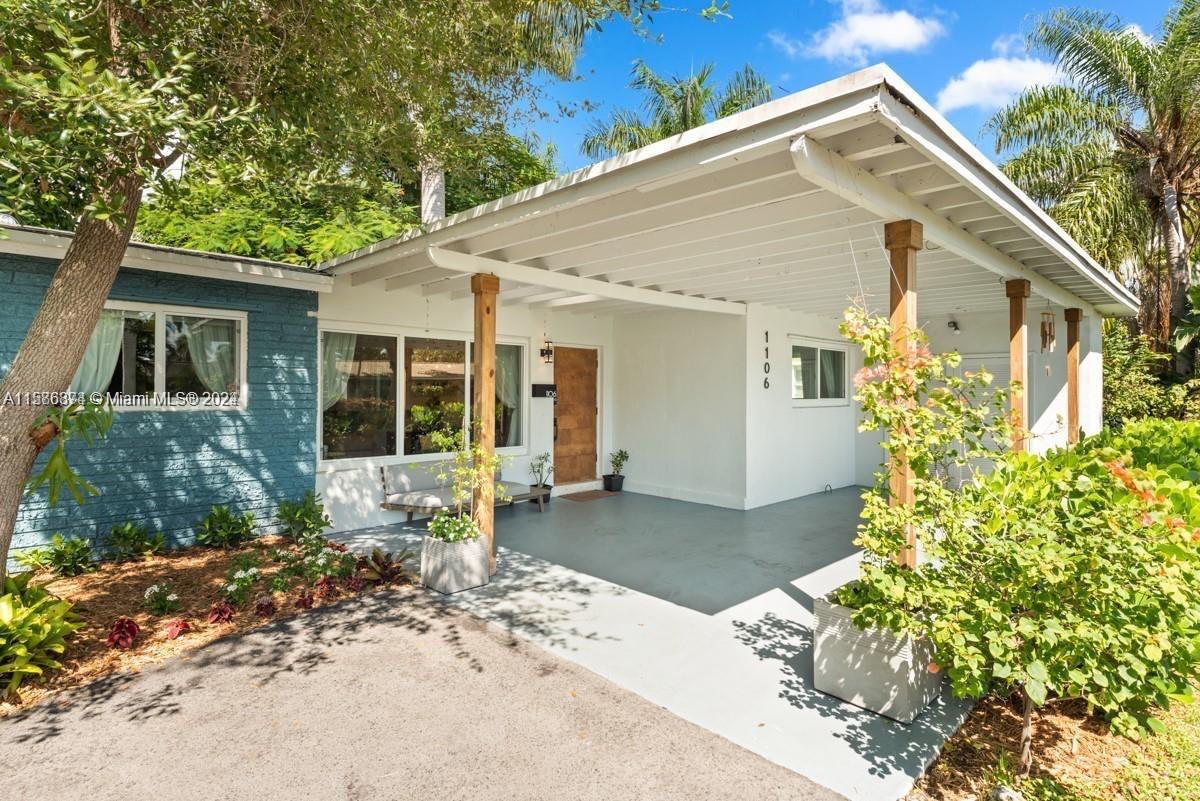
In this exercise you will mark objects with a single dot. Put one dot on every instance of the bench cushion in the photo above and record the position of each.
(436, 498)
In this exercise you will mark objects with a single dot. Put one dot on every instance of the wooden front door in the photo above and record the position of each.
(575, 415)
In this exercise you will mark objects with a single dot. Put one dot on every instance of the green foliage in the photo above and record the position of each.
(304, 517)
(541, 470)
(673, 105)
(618, 459)
(1071, 575)
(385, 568)
(243, 574)
(133, 541)
(498, 164)
(221, 528)
(34, 629)
(302, 220)
(1168, 445)
(161, 600)
(470, 468)
(88, 421)
(64, 556)
(450, 527)
(1132, 390)
(312, 559)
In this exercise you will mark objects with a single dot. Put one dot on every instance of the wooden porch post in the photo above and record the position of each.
(483, 404)
(903, 238)
(1073, 317)
(1018, 357)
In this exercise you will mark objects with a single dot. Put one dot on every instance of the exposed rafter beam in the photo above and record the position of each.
(464, 263)
(818, 164)
(415, 278)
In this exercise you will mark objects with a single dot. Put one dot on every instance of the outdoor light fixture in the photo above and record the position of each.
(953, 326)
(548, 352)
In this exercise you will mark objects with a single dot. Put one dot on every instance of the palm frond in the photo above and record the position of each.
(623, 132)
(746, 89)
(1053, 115)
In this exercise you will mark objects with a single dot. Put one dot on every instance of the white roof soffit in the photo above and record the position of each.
(781, 205)
(53, 244)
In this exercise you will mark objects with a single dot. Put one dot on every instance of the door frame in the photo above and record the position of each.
(600, 410)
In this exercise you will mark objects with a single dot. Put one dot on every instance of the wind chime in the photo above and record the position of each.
(1048, 338)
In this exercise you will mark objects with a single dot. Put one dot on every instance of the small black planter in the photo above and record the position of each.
(613, 483)
(549, 489)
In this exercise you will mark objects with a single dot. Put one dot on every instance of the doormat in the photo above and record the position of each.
(588, 495)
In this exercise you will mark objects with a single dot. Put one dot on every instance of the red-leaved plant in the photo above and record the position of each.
(355, 583)
(264, 605)
(123, 632)
(327, 587)
(220, 612)
(305, 599)
(177, 627)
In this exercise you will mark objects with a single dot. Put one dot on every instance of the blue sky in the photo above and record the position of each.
(965, 58)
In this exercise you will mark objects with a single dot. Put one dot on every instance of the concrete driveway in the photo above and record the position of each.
(393, 695)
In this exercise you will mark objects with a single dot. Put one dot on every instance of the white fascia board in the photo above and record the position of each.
(466, 263)
(819, 164)
(844, 101)
(982, 176)
(53, 245)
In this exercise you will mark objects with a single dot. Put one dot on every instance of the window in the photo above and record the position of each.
(435, 391)
(818, 373)
(358, 395)
(146, 356)
(510, 361)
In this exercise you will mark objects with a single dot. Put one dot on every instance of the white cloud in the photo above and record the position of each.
(864, 29)
(992, 82)
(1139, 32)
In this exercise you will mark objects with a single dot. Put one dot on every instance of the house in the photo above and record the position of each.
(680, 301)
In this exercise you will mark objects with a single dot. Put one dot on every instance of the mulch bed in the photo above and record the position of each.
(1069, 746)
(116, 590)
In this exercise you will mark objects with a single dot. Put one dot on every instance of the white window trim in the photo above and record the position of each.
(160, 311)
(367, 329)
(820, 345)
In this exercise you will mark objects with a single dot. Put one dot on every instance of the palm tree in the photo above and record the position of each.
(1114, 151)
(672, 106)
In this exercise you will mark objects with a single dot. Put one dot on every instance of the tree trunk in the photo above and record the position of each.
(1177, 264)
(1027, 735)
(55, 344)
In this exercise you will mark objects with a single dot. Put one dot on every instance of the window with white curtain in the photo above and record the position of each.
(414, 386)
(818, 373)
(147, 356)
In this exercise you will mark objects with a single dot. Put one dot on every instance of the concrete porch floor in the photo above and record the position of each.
(706, 612)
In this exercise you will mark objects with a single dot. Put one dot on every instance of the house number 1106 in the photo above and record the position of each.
(767, 359)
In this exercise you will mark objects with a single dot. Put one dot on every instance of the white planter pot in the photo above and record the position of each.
(872, 668)
(451, 567)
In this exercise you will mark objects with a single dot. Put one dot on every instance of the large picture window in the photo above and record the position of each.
(509, 381)
(147, 356)
(358, 395)
(435, 391)
(818, 372)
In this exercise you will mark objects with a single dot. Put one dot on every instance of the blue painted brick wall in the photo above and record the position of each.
(167, 469)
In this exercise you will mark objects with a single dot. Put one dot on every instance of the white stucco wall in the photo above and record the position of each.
(793, 449)
(679, 405)
(351, 488)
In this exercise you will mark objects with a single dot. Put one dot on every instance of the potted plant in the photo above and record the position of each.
(615, 480)
(541, 470)
(865, 650)
(454, 555)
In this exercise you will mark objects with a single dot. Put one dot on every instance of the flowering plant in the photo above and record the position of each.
(243, 575)
(1070, 575)
(160, 599)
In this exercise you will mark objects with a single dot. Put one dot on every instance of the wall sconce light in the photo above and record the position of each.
(547, 352)
(953, 326)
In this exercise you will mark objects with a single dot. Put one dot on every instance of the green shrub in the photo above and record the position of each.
(64, 556)
(34, 627)
(305, 516)
(313, 559)
(133, 541)
(1171, 445)
(1132, 389)
(243, 574)
(221, 528)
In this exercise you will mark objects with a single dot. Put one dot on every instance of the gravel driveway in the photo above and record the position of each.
(393, 695)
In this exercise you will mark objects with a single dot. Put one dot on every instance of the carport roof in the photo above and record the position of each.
(781, 204)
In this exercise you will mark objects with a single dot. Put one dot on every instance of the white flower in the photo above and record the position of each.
(172, 597)
(231, 588)
(151, 590)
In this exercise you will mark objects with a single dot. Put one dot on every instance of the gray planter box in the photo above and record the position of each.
(871, 668)
(451, 567)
